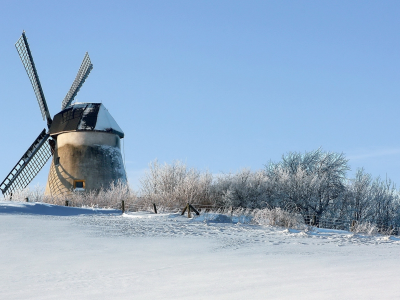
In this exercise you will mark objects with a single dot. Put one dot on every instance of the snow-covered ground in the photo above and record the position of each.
(53, 252)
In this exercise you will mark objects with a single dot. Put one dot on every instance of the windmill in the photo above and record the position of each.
(83, 140)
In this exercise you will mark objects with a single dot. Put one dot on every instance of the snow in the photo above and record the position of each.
(49, 209)
(105, 121)
(220, 218)
(89, 108)
(53, 252)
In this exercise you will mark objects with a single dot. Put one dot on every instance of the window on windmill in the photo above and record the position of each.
(57, 161)
(79, 185)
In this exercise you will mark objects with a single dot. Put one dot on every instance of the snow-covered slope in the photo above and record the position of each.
(46, 253)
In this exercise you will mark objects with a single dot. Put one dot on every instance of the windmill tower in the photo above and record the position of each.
(83, 141)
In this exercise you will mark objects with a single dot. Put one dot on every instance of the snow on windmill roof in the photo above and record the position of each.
(85, 117)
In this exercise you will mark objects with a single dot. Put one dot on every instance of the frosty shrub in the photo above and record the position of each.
(172, 186)
(105, 198)
(35, 194)
(366, 228)
(278, 217)
(245, 189)
(110, 197)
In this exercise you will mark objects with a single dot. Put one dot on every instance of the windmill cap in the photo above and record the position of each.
(85, 117)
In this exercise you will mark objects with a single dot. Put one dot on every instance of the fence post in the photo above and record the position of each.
(155, 208)
(353, 225)
(123, 206)
(193, 209)
(66, 202)
(184, 209)
(188, 209)
(314, 220)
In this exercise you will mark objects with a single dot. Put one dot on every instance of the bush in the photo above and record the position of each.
(174, 185)
(105, 198)
(35, 194)
(365, 227)
(245, 189)
(278, 217)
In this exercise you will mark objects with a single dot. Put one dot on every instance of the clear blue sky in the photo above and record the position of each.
(222, 85)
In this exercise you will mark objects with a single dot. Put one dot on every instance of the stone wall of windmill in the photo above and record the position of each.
(92, 159)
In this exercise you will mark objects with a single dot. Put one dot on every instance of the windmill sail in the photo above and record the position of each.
(27, 60)
(28, 166)
(80, 78)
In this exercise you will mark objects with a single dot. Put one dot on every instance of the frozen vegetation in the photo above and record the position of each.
(58, 252)
(308, 188)
(310, 184)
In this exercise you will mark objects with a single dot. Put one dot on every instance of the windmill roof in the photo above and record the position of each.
(85, 117)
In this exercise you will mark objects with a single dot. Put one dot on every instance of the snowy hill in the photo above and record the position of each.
(53, 252)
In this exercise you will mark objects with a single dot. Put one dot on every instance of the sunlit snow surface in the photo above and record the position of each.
(52, 252)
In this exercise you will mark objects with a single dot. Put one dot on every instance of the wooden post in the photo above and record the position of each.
(188, 208)
(123, 206)
(353, 225)
(195, 210)
(26, 199)
(183, 211)
(66, 202)
(155, 208)
(314, 220)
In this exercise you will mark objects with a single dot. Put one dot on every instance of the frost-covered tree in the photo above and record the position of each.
(244, 189)
(385, 203)
(359, 197)
(173, 185)
(308, 182)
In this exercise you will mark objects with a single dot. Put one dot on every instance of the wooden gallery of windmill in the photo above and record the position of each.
(83, 141)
